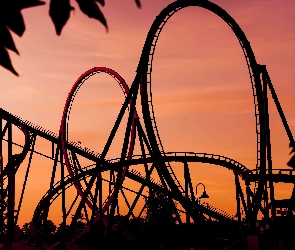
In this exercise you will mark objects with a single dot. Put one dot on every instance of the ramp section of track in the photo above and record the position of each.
(49, 135)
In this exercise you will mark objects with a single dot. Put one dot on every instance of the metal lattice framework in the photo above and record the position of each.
(101, 187)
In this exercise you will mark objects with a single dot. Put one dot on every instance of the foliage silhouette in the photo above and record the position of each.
(49, 227)
(160, 209)
(160, 221)
(26, 231)
(11, 19)
(59, 11)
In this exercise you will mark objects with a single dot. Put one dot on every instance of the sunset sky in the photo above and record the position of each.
(202, 93)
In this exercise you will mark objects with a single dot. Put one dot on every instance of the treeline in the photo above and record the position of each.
(158, 229)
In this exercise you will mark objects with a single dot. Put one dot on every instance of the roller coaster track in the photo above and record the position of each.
(153, 36)
(150, 141)
(143, 79)
(169, 156)
(30, 131)
(144, 69)
(190, 157)
(8, 215)
(69, 180)
(17, 159)
(205, 208)
(54, 138)
(278, 175)
(49, 135)
(64, 135)
(281, 175)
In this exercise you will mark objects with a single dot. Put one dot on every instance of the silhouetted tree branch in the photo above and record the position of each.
(11, 19)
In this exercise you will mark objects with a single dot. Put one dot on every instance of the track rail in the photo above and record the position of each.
(203, 207)
(277, 175)
(153, 37)
(150, 138)
(48, 135)
(69, 181)
(145, 70)
(7, 196)
(133, 174)
(64, 133)
(191, 157)
(17, 159)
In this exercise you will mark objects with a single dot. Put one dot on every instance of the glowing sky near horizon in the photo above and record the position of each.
(201, 88)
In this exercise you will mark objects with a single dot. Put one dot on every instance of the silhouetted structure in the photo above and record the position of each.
(104, 224)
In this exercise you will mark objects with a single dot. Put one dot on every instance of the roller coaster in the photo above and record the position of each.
(100, 188)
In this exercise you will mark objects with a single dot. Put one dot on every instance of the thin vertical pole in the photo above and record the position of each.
(110, 187)
(11, 188)
(190, 185)
(238, 197)
(52, 150)
(279, 108)
(249, 212)
(93, 214)
(52, 179)
(101, 223)
(63, 199)
(54, 165)
(25, 181)
(186, 189)
(268, 145)
(242, 198)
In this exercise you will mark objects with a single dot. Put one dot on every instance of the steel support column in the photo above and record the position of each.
(63, 201)
(268, 144)
(238, 196)
(188, 187)
(11, 188)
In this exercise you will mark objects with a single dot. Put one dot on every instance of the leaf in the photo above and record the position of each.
(30, 3)
(59, 11)
(138, 4)
(5, 60)
(90, 8)
(101, 2)
(6, 39)
(14, 21)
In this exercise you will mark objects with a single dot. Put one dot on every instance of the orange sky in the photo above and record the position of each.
(201, 89)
